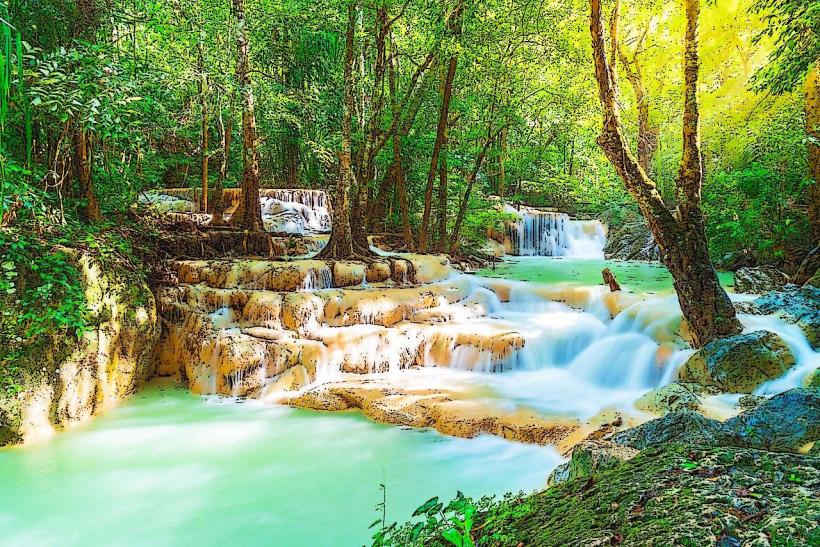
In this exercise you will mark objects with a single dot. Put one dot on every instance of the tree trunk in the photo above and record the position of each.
(217, 204)
(465, 201)
(502, 171)
(441, 135)
(441, 242)
(341, 243)
(812, 106)
(249, 213)
(681, 237)
(202, 86)
(82, 164)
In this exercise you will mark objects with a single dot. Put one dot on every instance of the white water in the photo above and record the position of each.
(545, 233)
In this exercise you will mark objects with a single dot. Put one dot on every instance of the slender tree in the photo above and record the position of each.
(680, 234)
(249, 213)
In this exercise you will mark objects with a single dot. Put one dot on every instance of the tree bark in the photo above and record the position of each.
(202, 85)
(441, 135)
(83, 154)
(812, 107)
(340, 244)
(681, 237)
(465, 201)
(441, 241)
(249, 213)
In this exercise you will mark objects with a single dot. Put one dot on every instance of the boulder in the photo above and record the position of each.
(759, 279)
(591, 457)
(631, 241)
(785, 422)
(813, 379)
(671, 398)
(797, 305)
(740, 363)
(682, 427)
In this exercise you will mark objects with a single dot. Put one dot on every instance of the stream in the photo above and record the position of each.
(169, 468)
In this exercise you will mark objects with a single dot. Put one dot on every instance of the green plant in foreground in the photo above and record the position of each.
(446, 525)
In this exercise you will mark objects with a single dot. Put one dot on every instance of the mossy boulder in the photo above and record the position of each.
(683, 427)
(671, 398)
(787, 421)
(813, 379)
(589, 458)
(740, 363)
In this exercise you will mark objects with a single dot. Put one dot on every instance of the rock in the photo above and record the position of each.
(809, 270)
(759, 279)
(631, 241)
(671, 398)
(591, 457)
(785, 422)
(813, 379)
(798, 305)
(748, 402)
(682, 427)
(740, 363)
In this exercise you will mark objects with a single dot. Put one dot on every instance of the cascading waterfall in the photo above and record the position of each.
(549, 233)
(284, 211)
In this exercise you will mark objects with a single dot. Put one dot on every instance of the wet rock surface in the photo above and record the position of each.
(740, 363)
(785, 422)
(759, 279)
(631, 241)
(683, 427)
(798, 305)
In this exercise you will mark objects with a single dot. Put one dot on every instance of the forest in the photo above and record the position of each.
(406, 208)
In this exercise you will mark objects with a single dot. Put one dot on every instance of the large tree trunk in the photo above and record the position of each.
(249, 213)
(83, 153)
(812, 106)
(681, 237)
(341, 242)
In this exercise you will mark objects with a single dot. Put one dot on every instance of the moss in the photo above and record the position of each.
(672, 496)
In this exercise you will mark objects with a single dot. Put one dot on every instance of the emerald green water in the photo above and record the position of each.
(644, 277)
(170, 468)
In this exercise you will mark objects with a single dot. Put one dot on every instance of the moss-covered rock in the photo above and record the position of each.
(671, 398)
(787, 421)
(671, 495)
(590, 458)
(681, 427)
(740, 363)
(65, 379)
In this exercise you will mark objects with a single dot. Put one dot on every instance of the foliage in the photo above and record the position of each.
(675, 495)
(450, 525)
(793, 24)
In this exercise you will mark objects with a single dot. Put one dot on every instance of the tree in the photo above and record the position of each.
(680, 234)
(795, 60)
(340, 244)
(249, 213)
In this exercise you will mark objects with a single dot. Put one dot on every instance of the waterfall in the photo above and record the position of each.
(284, 211)
(548, 233)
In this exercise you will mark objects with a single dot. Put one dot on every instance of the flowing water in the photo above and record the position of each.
(550, 233)
(170, 468)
